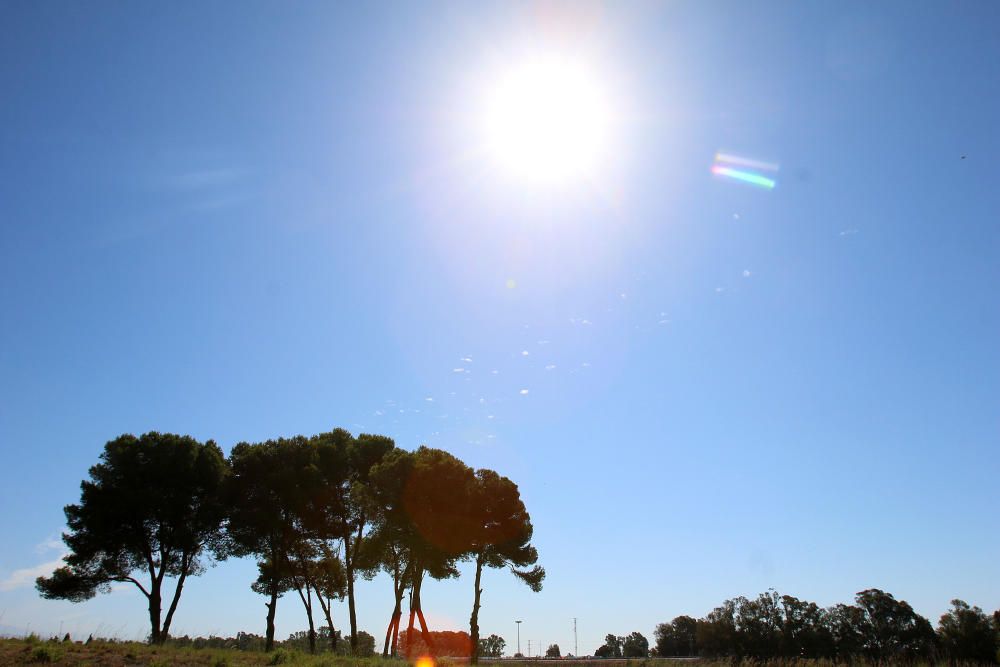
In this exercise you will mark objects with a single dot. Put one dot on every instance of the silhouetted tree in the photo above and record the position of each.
(553, 651)
(426, 494)
(716, 633)
(804, 630)
(152, 505)
(676, 638)
(501, 537)
(891, 629)
(386, 549)
(392, 544)
(967, 634)
(635, 646)
(264, 506)
(612, 647)
(758, 625)
(347, 463)
(844, 623)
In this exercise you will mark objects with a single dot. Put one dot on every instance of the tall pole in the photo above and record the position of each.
(576, 647)
(518, 636)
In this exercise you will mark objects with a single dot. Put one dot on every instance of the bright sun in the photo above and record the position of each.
(547, 121)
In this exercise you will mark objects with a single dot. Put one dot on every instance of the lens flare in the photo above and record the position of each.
(745, 176)
(729, 158)
(720, 168)
(424, 661)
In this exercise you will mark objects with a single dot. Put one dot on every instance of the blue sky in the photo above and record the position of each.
(241, 221)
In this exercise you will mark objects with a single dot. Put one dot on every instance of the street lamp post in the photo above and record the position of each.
(518, 637)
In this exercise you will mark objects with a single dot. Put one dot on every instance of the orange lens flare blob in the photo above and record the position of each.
(424, 661)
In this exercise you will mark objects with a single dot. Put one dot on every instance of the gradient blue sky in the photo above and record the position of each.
(248, 220)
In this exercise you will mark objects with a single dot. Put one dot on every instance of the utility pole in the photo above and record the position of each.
(518, 636)
(576, 647)
(529, 648)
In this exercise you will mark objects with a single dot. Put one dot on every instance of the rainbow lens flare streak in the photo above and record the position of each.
(720, 168)
(745, 176)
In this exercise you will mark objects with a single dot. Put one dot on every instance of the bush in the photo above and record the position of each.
(280, 657)
(45, 654)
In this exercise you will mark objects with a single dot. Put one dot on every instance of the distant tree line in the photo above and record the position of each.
(877, 628)
(245, 641)
(315, 512)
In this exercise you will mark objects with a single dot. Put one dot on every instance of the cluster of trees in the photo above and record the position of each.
(327, 643)
(315, 512)
(245, 641)
(878, 627)
(633, 645)
(492, 646)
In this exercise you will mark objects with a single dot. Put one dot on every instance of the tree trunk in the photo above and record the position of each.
(349, 571)
(155, 635)
(388, 634)
(173, 603)
(312, 635)
(155, 588)
(272, 607)
(474, 619)
(327, 608)
(397, 613)
(395, 636)
(409, 627)
(307, 603)
(424, 632)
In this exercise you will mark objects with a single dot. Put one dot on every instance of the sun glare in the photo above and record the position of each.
(547, 121)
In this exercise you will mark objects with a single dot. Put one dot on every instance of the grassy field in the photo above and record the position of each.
(32, 652)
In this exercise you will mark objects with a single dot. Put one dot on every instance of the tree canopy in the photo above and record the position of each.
(500, 536)
(492, 646)
(266, 510)
(635, 645)
(967, 634)
(676, 638)
(152, 508)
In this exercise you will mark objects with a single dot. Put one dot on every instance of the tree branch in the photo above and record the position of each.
(134, 581)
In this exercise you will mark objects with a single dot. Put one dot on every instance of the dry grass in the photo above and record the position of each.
(31, 651)
(128, 654)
